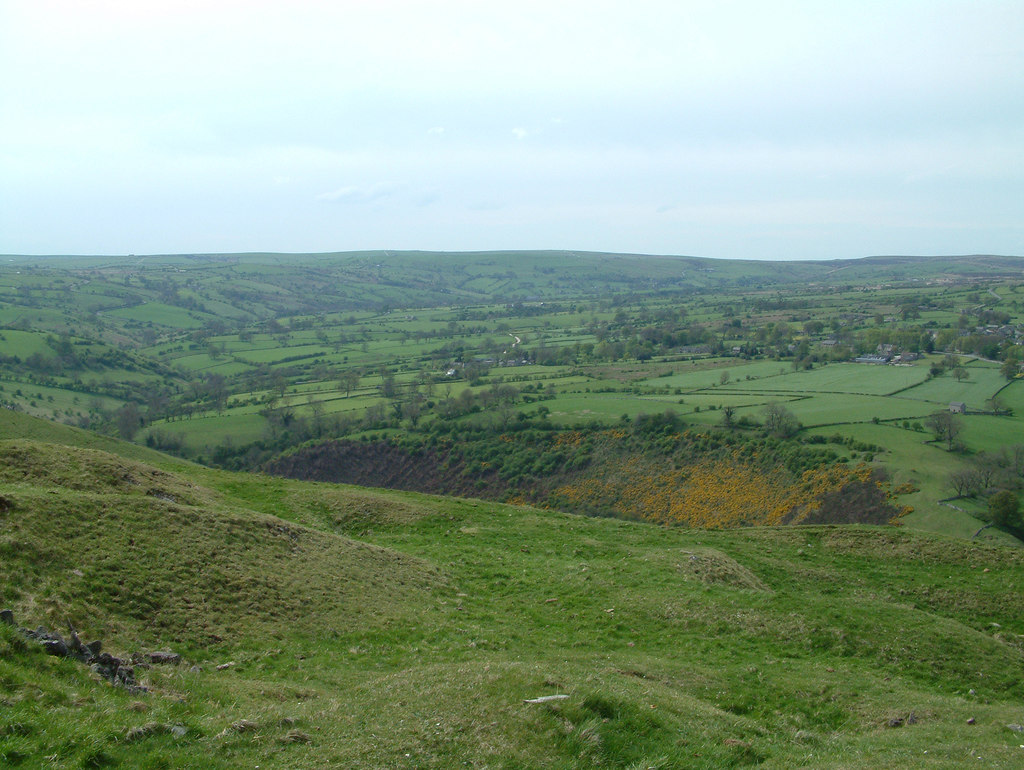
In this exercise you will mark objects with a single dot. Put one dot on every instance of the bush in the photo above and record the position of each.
(1004, 509)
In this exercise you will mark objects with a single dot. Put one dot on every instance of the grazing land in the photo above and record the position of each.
(790, 557)
(324, 625)
(264, 361)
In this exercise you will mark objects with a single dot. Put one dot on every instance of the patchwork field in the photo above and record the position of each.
(245, 357)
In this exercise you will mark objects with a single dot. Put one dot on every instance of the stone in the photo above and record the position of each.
(56, 647)
(6, 616)
(95, 647)
(164, 656)
(124, 675)
(546, 698)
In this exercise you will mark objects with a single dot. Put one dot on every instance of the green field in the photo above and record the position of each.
(269, 352)
(160, 314)
(843, 378)
(334, 626)
(983, 383)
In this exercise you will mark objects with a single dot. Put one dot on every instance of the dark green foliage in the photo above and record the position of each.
(1004, 509)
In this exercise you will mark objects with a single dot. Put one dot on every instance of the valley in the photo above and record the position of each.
(500, 510)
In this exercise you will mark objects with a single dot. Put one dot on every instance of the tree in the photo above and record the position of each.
(129, 420)
(960, 374)
(724, 378)
(946, 426)
(728, 413)
(216, 390)
(349, 379)
(965, 482)
(1004, 509)
(779, 421)
(1010, 368)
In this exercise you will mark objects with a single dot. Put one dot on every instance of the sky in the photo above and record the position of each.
(755, 130)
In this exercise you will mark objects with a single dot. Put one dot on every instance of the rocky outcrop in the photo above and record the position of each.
(117, 671)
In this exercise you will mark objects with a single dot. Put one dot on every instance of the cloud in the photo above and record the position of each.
(520, 133)
(354, 194)
(435, 130)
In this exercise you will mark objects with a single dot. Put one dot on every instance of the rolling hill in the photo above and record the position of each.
(333, 626)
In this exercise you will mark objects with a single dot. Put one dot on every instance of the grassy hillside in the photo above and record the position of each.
(385, 629)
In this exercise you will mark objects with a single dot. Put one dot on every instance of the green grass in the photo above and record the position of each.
(983, 382)
(24, 344)
(160, 314)
(841, 378)
(385, 629)
(695, 375)
(210, 429)
(175, 320)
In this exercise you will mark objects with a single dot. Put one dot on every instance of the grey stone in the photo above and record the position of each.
(56, 647)
(6, 616)
(164, 656)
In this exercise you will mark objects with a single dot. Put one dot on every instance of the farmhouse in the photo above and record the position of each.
(957, 407)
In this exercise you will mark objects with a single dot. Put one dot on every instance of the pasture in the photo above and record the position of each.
(259, 348)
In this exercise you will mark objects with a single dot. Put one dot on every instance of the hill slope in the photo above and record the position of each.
(398, 630)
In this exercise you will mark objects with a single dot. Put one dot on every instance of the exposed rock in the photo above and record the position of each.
(6, 616)
(114, 670)
(164, 656)
(56, 647)
(155, 728)
(545, 698)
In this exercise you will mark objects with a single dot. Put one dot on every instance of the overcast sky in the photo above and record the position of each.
(764, 130)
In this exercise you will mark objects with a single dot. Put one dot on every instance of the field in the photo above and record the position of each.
(323, 625)
(236, 359)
